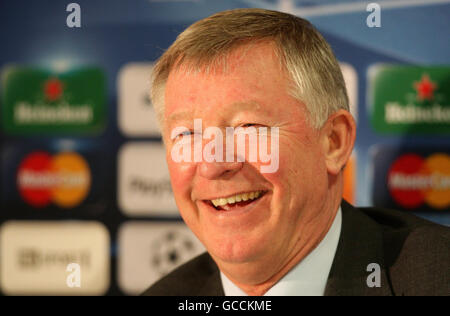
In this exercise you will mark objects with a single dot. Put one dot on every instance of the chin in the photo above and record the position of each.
(236, 251)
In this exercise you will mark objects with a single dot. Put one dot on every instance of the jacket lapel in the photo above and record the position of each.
(360, 243)
(212, 284)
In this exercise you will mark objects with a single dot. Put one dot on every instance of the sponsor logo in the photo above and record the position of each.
(414, 180)
(408, 99)
(37, 100)
(149, 250)
(136, 114)
(171, 249)
(144, 182)
(142, 185)
(35, 258)
(63, 179)
(35, 255)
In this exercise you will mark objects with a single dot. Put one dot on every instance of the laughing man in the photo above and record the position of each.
(286, 232)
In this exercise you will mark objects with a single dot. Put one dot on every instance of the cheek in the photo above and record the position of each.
(301, 170)
(181, 175)
(294, 161)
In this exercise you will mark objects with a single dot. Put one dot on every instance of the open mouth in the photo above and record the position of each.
(236, 201)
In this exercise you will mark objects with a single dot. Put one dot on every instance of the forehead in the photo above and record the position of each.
(250, 52)
(251, 73)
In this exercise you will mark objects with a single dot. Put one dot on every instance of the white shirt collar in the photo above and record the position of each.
(307, 278)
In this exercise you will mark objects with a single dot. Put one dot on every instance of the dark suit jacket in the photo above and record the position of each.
(413, 254)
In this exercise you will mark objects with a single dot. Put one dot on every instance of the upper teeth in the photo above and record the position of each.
(236, 198)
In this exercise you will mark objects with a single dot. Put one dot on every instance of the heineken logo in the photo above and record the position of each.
(397, 113)
(408, 99)
(425, 88)
(37, 100)
(63, 113)
(53, 89)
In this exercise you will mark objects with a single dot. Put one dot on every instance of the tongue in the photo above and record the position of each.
(228, 207)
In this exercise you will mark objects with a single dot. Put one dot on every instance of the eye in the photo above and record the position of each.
(250, 124)
(185, 133)
(181, 135)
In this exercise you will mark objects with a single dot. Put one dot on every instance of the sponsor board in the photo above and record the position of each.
(136, 114)
(409, 99)
(416, 179)
(35, 255)
(36, 100)
(144, 187)
(150, 250)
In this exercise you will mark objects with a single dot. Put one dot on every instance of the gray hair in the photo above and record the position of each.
(308, 59)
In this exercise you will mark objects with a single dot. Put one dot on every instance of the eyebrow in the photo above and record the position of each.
(234, 107)
(179, 116)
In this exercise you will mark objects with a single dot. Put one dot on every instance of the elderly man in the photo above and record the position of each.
(283, 230)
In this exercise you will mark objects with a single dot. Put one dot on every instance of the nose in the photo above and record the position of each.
(214, 170)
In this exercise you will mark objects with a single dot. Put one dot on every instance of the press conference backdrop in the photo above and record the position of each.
(83, 172)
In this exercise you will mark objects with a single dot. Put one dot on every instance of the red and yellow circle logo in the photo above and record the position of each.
(413, 180)
(63, 179)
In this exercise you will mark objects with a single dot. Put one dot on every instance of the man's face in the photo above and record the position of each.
(253, 90)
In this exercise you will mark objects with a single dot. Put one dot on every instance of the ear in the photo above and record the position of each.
(338, 137)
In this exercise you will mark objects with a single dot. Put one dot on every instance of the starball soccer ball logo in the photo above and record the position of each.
(414, 180)
(63, 179)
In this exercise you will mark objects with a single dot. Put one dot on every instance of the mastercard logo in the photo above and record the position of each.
(63, 179)
(414, 180)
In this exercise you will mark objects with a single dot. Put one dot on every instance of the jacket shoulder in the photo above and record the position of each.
(406, 227)
(416, 252)
(199, 276)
